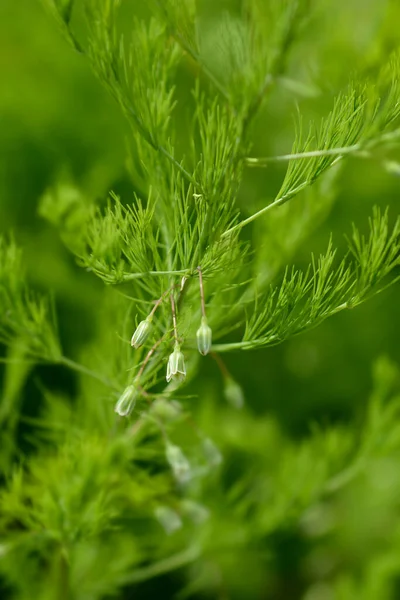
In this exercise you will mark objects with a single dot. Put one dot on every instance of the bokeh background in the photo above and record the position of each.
(58, 124)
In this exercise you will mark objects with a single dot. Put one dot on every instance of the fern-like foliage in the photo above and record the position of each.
(25, 316)
(305, 298)
(184, 278)
(185, 221)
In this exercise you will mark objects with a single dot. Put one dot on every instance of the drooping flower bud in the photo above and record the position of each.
(127, 401)
(196, 512)
(204, 337)
(183, 281)
(141, 333)
(392, 167)
(166, 410)
(212, 453)
(176, 368)
(233, 393)
(168, 518)
(178, 462)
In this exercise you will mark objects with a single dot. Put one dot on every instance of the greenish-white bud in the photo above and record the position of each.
(176, 368)
(127, 401)
(392, 167)
(212, 453)
(141, 333)
(166, 410)
(183, 281)
(204, 337)
(233, 393)
(168, 518)
(179, 463)
(195, 511)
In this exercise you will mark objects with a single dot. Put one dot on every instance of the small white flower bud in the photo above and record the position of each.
(183, 281)
(176, 368)
(204, 337)
(195, 511)
(166, 410)
(392, 167)
(233, 393)
(127, 401)
(212, 453)
(168, 518)
(141, 333)
(179, 463)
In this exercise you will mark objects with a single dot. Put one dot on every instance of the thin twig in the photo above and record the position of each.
(221, 365)
(147, 358)
(174, 318)
(203, 304)
(71, 364)
(131, 276)
(273, 204)
(264, 161)
(165, 565)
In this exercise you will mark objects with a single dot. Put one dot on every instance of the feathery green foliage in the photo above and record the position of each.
(121, 483)
(26, 317)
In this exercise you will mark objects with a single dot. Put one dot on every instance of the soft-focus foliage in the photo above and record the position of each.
(175, 181)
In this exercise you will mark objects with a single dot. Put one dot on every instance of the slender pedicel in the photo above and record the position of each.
(204, 332)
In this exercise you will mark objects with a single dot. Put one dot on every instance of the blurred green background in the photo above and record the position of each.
(57, 122)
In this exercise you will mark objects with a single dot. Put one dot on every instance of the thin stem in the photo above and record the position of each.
(182, 292)
(174, 319)
(131, 276)
(221, 365)
(264, 161)
(204, 68)
(63, 576)
(71, 364)
(158, 302)
(235, 346)
(361, 150)
(273, 340)
(147, 358)
(178, 165)
(203, 304)
(189, 50)
(344, 477)
(273, 204)
(277, 68)
(156, 305)
(255, 105)
(165, 565)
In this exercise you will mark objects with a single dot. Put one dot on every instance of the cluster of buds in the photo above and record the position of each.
(176, 368)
